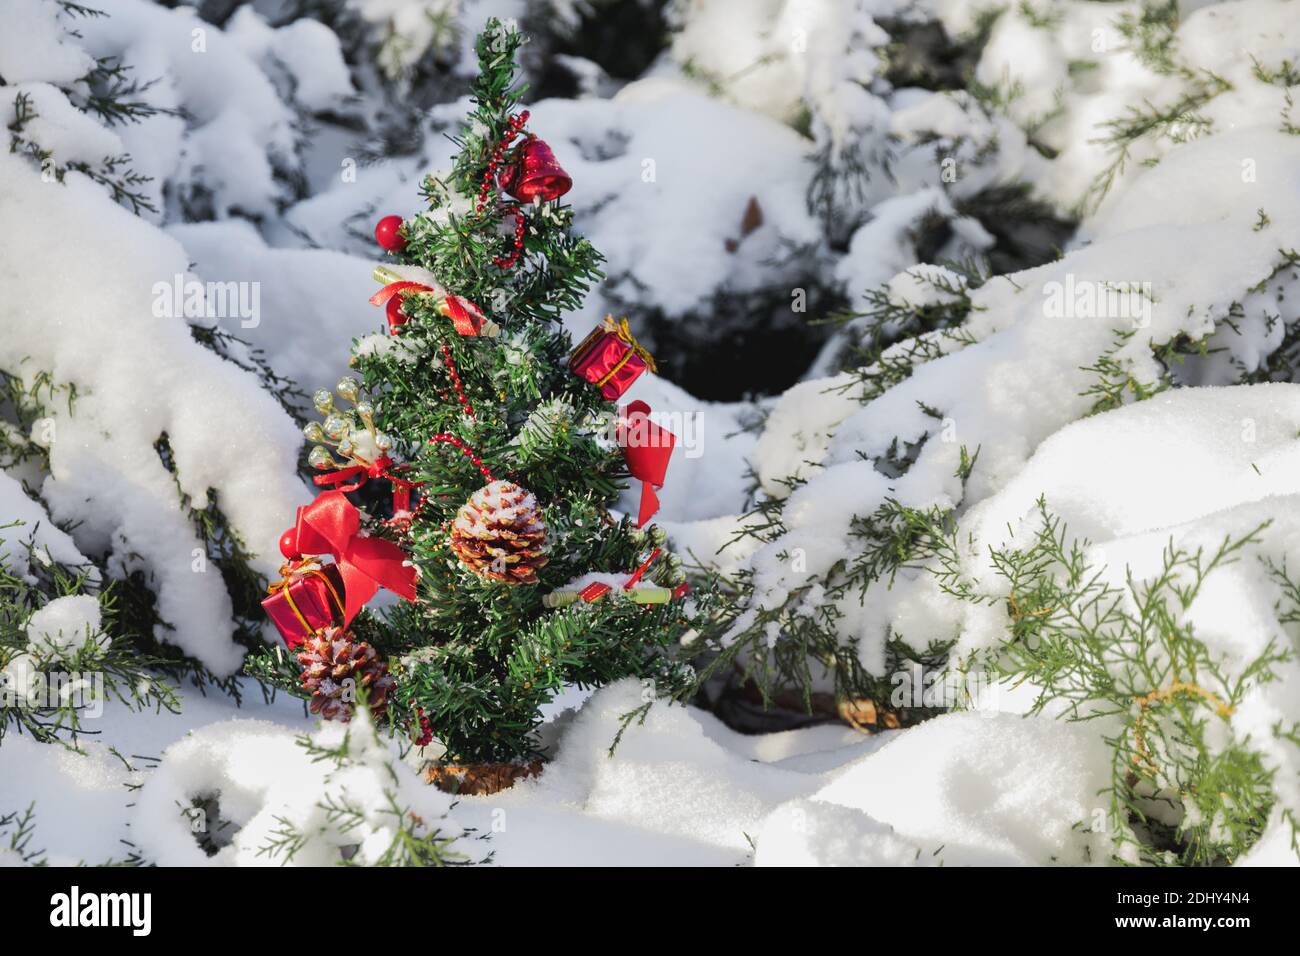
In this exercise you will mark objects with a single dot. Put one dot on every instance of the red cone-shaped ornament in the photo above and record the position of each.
(396, 317)
(535, 172)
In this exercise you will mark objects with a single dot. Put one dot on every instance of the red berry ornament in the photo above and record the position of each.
(289, 545)
(388, 234)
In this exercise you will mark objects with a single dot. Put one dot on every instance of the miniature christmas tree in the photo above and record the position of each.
(519, 578)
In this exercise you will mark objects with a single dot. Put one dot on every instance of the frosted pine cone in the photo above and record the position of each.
(499, 534)
(335, 667)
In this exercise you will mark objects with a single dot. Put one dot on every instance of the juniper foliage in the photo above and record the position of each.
(1188, 787)
(49, 695)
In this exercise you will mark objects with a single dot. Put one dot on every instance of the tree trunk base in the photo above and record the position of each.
(480, 779)
(742, 707)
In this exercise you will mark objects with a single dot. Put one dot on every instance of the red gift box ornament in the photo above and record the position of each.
(332, 525)
(535, 173)
(307, 597)
(610, 358)
(596, 590)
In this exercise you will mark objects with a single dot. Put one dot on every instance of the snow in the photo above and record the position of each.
(306, 295)
(780, 51)
(1203, 465)
(413, 21)
(1023, 379)
(977, 789)
(706, 474)
(90, 280)
(83, 798)
(79, 800)
(679, 788)
(666, 776)
(65, 625)
(1223, 39)
(26, 521)
(667, 203)
(816, 833)
(261, 777)
(307, 50)
(962, 789)
(1187, 454)
(882, 247)
(236, 135)
(34, 46)
(69, 134)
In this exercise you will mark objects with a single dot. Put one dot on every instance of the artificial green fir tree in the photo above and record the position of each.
(526, 582)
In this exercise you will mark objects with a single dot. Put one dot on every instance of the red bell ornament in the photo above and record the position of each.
(535, 172)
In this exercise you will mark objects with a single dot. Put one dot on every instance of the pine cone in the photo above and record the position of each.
(331, 656)
(499, 533)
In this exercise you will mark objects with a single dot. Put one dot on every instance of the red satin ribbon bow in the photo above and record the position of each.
(465, 316)
(395, 316)
(647, 448)
(379, 469)
(331, 525)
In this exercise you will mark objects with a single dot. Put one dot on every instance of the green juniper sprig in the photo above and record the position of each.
(111, 665)
(1186, 788)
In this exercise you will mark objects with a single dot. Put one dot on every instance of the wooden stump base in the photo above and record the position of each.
(480, 779)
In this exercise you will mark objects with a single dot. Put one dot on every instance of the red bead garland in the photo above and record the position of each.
(443, 437)
(455, 380)
(515, 124)
(513, 128)
(506, 262)
(426, 729)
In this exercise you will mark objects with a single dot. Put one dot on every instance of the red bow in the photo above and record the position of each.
(378, 469)
(467, 318)
(396, 317)
(647, 448)
(331, 525)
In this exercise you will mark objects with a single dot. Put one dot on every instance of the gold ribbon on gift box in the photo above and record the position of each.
(291, 575)
(619, 328)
